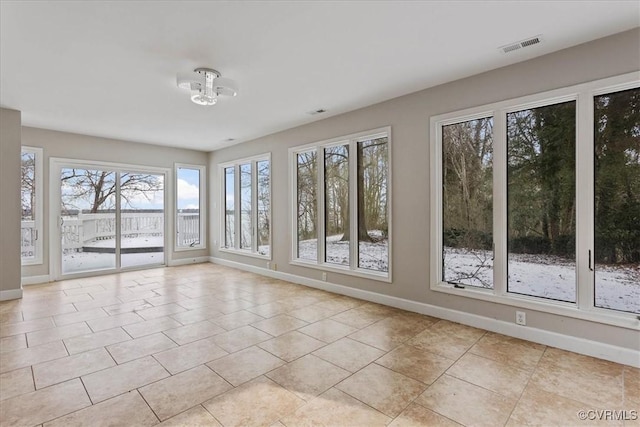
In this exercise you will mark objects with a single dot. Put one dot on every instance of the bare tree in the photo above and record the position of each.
(98, 188)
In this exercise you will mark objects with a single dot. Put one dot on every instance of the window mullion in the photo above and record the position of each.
(584, 202)
(500, 233)
(322, 239)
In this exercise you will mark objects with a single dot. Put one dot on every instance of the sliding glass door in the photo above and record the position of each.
(109, 219)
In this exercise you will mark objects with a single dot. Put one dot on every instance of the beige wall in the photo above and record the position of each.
(10, 128)
(83, 147)
(409, 117)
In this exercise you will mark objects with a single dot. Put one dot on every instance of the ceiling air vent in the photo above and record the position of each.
(521, 44)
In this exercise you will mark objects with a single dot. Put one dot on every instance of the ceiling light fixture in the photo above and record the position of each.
(206, 85)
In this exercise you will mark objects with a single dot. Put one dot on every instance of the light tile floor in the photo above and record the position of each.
(210, 345)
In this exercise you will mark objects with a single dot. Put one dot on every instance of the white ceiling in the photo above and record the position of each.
(108, 68)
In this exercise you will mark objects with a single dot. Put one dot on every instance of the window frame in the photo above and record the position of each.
(202, 202)
(583, 94)
(320, 264)
(235, 164)
(38, 258)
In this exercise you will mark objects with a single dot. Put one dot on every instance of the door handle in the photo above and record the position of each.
(590, 265)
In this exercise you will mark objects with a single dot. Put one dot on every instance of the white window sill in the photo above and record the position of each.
(334, 268)
(189, 248)
(246, 253)
(599, 315)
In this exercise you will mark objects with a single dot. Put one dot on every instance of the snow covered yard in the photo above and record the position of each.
(373, 255)
(86, 261)
(546, 276)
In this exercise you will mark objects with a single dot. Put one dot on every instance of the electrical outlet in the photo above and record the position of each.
(521, 318)
(275, 266)
(324, 277)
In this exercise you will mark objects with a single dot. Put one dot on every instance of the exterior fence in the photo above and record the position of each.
(83, 229)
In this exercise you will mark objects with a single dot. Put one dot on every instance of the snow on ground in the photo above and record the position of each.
(617, 287)
(88, 261)
(373, 256)
(130, 242)
(74, 262)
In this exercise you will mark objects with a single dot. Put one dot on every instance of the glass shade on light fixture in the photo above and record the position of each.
(224, 86)
(200, 97)
(205, 85)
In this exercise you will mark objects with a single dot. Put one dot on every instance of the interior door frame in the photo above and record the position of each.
(56, 164)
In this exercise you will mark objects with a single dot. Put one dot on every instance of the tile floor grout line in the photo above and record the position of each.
(521, 393)
(353, 397)
(147, 403)
(87, 391)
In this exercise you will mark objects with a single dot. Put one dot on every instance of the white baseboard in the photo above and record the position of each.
(597, 349)
(35, 280)
(187, 261)
(11, 294)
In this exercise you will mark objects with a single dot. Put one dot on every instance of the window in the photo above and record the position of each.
(541, 196)
(246, 202)
(307, 205)
(264, 206)
(467, 202)
(190, 205)
(373, 207)
(32, 206)
(249, 183)
(341, 205)
(229, 207)
(516, 220)
(336, 190)
(617, 200)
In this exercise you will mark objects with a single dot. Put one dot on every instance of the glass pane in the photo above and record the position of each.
(617, 201)
(336, 176)
(28, 195)
(229, 207)
(307, 182)
(88, 229)
(245, 207)
(188, 204)
(373, 228)
(141, 219)
(264, 200)
(467, 203)
(541, 201)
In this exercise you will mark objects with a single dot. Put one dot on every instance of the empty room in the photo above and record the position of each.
(319, 213)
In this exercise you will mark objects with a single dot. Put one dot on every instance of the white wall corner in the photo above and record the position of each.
(11, 294)
(625, 356)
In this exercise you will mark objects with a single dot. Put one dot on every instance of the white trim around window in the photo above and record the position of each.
(35, 227)
(584, 306)
(255, 249)
(191, 242)
(318, 148)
